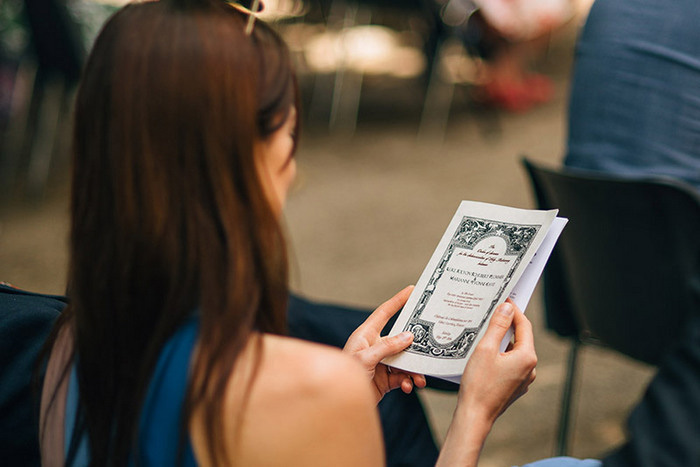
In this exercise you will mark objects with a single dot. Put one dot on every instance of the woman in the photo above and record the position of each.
(184, 144)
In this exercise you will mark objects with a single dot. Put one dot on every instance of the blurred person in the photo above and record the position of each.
(55, 40)
(635, 95)
(36, 86)
(504, 79)
(172, 348)
(635, 111)
(508, 35)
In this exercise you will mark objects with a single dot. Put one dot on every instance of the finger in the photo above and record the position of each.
(520, 393)
(525, 385)
(419, 380)
(522, 390)
(397, 379)
(407, 385)
(517, 394)
(385, 347)
(379, 317)
(524, 338)
(401, 380)
(499, 324)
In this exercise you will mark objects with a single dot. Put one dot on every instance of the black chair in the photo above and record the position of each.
(25, 321)
(626, 270)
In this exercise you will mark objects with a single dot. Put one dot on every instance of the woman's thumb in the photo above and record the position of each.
(388, 346)
(500, 323)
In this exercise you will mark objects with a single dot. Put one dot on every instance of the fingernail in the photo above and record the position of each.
(406, 336)
(506, 309)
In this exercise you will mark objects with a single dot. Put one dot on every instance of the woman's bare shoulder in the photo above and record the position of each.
(307, 404)
(311, 374)
(311, 364)
(318, 397)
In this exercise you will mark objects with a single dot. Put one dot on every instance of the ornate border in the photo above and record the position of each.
(471, 230)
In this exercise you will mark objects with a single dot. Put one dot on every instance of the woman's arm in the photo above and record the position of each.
(491, 382)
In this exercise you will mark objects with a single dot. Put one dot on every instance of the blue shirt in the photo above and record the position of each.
(635, 96)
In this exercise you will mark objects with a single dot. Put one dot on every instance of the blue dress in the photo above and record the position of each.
(161, 416)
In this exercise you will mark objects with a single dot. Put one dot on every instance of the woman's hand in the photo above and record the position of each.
(370, 348)
(491, 382)
(492, 379)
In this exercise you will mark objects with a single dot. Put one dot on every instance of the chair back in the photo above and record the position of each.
(626, 269)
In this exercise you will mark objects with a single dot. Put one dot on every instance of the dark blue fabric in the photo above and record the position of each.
(161, 415)
(664, 427)
(25, 321)
(635, 96)
(81, 456)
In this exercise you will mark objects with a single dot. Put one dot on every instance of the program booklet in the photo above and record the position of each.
(487, 254)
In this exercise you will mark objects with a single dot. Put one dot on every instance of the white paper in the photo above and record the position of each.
(522, 292)
(524, 288)
(476, 265)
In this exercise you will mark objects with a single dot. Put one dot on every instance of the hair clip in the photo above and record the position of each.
(251, 18)
(250, 7)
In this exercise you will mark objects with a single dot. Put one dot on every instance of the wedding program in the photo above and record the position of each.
(488, 253)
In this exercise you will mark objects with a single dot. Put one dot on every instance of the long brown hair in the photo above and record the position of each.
(168, 213)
